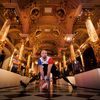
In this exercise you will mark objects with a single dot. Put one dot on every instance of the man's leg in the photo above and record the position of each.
(49, 70)
(41, 70)
(54, 74)
(24, 85)
(67, 80)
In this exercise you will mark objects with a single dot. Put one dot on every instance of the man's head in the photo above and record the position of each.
(44, 54)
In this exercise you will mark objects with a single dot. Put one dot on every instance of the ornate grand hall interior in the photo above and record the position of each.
(69, 30)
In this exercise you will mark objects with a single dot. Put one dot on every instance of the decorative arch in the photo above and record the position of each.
(7, 52)
(13, 35)
(89, 59)
(81, 36)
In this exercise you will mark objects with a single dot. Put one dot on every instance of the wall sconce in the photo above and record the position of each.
(69, 38)
(36, 62)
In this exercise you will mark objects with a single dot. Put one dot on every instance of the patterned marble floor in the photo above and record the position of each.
(56, 92)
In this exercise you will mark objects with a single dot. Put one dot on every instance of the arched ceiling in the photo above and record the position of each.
(80, 36)
(43, 24)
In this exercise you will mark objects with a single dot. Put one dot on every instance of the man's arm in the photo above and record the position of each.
(50, 64)
(41, 71)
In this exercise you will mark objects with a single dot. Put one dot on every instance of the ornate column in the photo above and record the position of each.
(11, 59)
(20, 56)
(34, 50)
(94, 39)
(69, 39)
(10, 16)
(91, 30)
(72, 53)
(4, 31)
(32, 67)
(64, 60)
(28, 64)
(21, 51)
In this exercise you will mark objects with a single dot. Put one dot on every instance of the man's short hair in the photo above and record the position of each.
(43, 50)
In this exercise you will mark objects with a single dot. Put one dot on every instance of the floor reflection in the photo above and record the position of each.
(56, 92)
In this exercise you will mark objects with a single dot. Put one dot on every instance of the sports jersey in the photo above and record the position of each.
(41, 61)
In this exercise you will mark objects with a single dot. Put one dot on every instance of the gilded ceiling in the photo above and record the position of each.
(45, 23)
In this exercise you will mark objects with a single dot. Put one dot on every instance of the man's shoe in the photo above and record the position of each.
(23, 84)
(74, 87)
